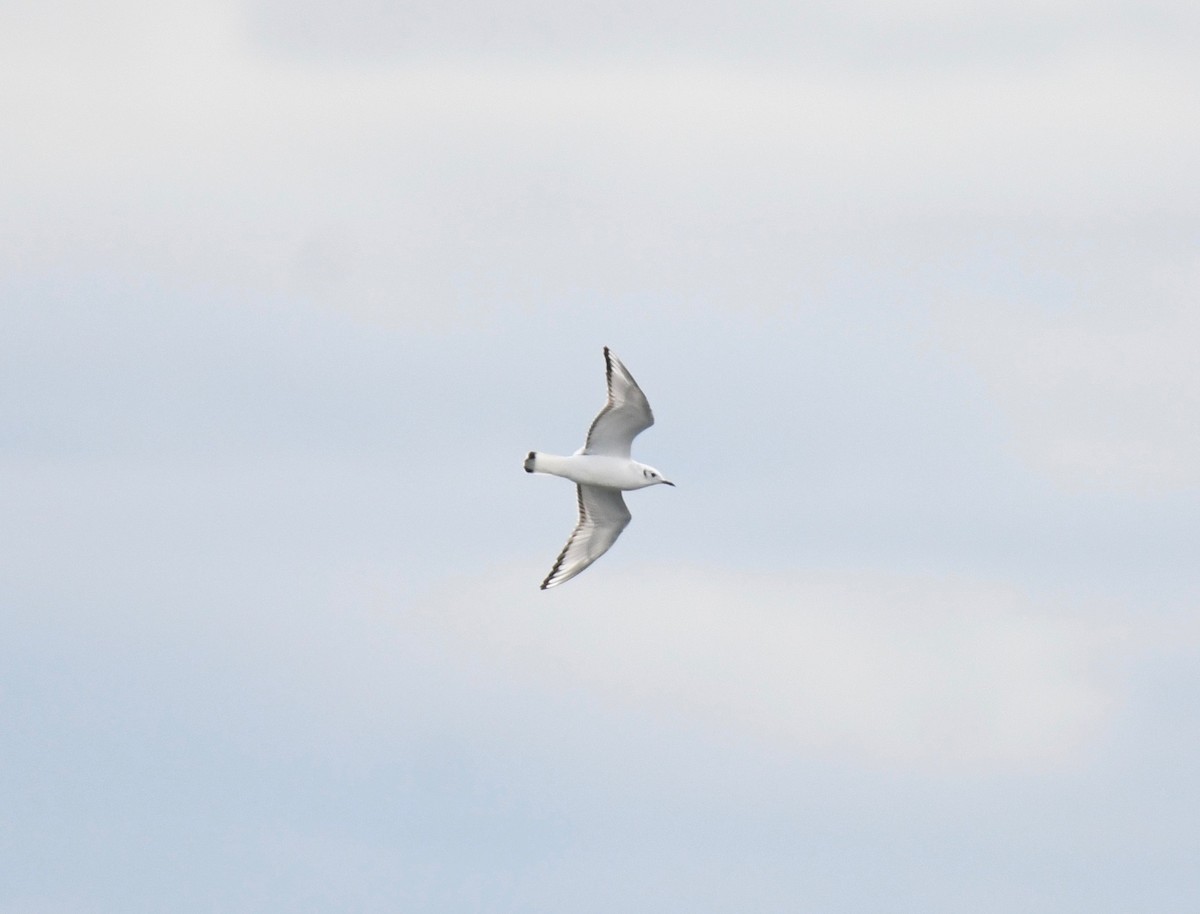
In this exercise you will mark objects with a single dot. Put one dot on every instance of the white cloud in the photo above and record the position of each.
(169, 146)
(874, 666)
(1105, 395)
(914, 33)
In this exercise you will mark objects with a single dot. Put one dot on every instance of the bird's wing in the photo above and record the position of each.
(602, 517)
(624, 415)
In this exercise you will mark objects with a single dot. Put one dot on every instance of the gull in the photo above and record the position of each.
(601, 470)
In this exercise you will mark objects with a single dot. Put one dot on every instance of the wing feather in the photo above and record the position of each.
(602, 517)
(625, 415)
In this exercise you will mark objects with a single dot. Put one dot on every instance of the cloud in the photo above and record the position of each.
(1103, 395)
(915, 33)
(878, 666)
(174, 147)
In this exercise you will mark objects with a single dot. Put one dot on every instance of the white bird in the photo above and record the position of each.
(601, 469)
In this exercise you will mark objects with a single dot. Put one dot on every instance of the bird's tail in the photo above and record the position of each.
(531, 462)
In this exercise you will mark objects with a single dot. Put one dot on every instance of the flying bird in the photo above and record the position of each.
(601, 470)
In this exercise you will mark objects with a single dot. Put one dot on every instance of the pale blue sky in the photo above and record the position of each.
(289, 291)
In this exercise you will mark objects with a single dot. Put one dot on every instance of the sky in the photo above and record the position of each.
(288, 291)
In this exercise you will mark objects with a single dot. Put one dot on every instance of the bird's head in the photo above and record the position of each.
(653, 477)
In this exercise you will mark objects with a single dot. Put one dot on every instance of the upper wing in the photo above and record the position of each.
(624, 415)
(602, 517)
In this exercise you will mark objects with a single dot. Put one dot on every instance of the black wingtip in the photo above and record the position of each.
(529, 461)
